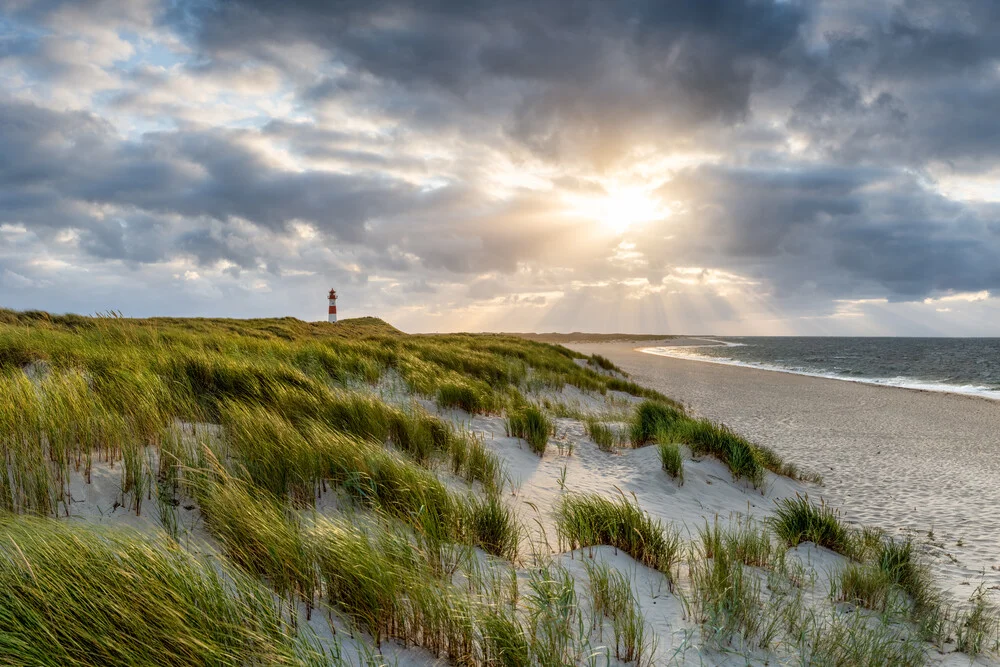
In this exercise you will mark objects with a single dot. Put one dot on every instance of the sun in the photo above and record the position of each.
(624, 208)
(620, 209)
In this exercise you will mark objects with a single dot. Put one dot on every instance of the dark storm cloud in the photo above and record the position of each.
(562, 78)
(912, 84)
(849, 233)
(591, 79)
(51, 158)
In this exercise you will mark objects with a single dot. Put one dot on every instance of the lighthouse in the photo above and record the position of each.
(333, 305)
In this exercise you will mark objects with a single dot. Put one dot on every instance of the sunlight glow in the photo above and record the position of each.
(620, 208)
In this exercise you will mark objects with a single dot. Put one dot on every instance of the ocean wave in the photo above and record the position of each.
(903, 382)
(716, 343)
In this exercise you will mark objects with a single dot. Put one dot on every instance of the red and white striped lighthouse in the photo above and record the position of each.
(333, 305)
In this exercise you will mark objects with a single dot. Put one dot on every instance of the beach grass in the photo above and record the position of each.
(744, 541)
(863, 584)
(671, 460)
(798, 520)
(250, 424)
(530, 424)
(388, 589)
(603, 363)
(705, 437)
(602, 434)
(854, 640)
(83, 595)
(650, 418)
(554, 623)
(613, 601)
(727, 601)
(588, 520)
(493, 526)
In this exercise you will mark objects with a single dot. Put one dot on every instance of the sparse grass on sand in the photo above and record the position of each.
(531, 425)
(613, 600)
(589, 520)
(667, 423)
(798, 520)
(602, 434)
(671, 460)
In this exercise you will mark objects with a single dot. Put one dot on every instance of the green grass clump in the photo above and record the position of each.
(259, 536)
(505, 643)
(603, 363)
(671, 460)
(387, 482)
(797, 520)
(530, 424)
(75, 595)
(748, 543)
(863, 584)
(25, 485)
(603, 435)
(727, 598)
(467, 396)
(493, 526)
(650, 418)
(589, 520)
(471, 459)
(727, 601)
(707, 438)
(613, 599)
(271, 451)
(387, 588)
(898, 560)
(553, 617)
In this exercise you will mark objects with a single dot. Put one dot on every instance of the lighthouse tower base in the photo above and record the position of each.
(332, 317)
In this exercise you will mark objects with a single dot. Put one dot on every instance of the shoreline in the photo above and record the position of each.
(916, 385)
(911, 461)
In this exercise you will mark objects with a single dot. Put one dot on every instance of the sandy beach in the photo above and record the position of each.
(904, 460)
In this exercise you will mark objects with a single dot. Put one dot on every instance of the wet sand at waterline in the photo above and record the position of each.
(927, 463)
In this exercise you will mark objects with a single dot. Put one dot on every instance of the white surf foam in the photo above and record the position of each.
(686, 352)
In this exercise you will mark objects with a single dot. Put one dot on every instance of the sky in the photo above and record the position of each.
(754, 167)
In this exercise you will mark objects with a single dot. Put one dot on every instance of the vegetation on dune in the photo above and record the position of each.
(75, 595)
(884, 575)
(602, 434)
(323, 482)
(531, 425)
(798, 520)
(707, 438)
(613, 601)
(590, 520)
(651, 418)
(667, 423)
(747, 542)
(604, 364)
(671, 460)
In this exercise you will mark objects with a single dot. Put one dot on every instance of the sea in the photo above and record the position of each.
(954, 365)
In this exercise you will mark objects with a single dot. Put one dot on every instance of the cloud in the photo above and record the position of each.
(804, 155)
(846, 232)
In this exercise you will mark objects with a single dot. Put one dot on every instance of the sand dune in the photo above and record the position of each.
(904, 460)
